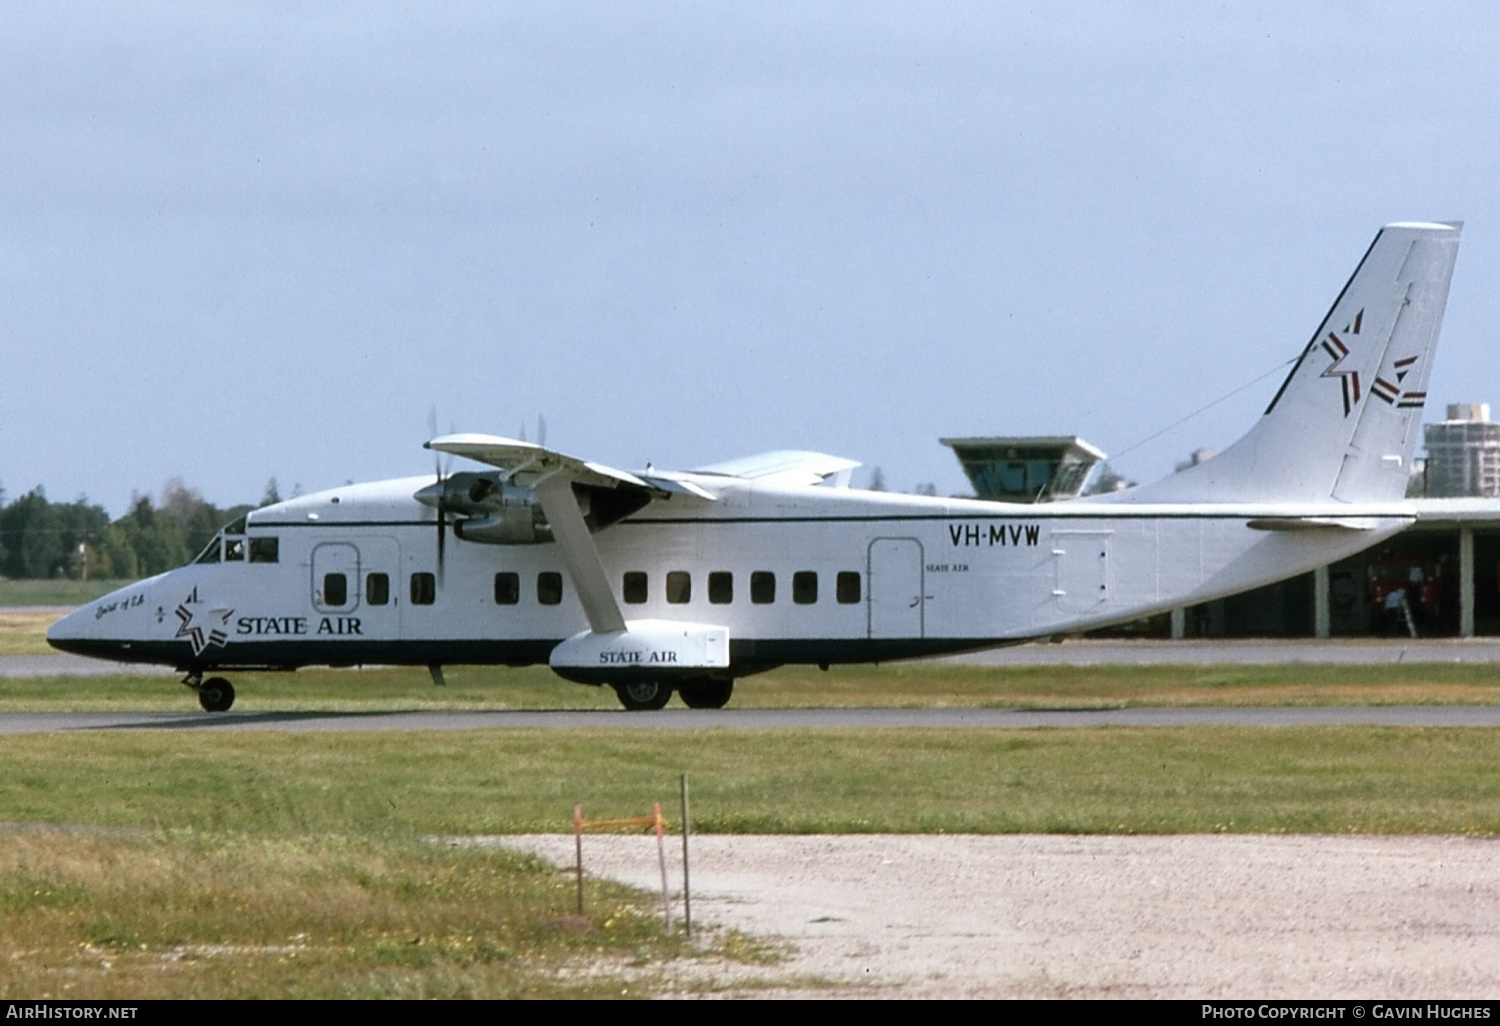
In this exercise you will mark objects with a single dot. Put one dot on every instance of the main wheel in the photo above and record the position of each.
(216, 694)
(706, 694)
(646, 695)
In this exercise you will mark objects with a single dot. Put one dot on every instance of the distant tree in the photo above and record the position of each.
(41, 539)
(877, 480)
(273, 494)
(930, 488)
(157, 540)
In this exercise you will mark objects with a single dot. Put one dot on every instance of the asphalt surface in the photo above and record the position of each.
(758, 719)
(1253, 651)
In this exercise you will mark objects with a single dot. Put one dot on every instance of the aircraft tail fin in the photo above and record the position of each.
(1344, 424)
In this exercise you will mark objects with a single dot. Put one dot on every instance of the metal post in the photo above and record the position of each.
(1322, 604)
(661, 859)
(1179, 623)
(687, 899)
(1466, 582)
(578, 852)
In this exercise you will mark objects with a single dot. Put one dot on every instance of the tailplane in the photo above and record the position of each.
(1344, 424)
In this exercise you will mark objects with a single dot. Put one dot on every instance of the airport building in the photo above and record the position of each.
(1446, 567)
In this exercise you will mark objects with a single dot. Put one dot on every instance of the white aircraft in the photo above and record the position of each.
(654, 582)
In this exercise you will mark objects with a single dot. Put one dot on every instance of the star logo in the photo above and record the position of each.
(202, 627)
(1392, 393)
(1348, 379)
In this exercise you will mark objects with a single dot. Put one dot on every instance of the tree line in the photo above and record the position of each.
(44, 539)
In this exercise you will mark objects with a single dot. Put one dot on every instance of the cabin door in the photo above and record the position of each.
(896, 588)
(354, 589)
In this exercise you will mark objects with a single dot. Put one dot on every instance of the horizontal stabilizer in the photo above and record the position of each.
(1316, 523)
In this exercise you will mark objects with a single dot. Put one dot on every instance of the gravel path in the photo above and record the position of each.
(1229, 916)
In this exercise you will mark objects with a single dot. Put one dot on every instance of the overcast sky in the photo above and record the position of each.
(240, 240)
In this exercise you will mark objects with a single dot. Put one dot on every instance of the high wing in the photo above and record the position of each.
(792, 466)
(552, 475)
(525, 464)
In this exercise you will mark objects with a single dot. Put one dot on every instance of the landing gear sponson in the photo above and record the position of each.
(215, 694)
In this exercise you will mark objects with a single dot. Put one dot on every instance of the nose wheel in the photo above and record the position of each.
(215, 694)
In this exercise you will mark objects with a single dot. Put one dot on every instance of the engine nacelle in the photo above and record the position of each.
(513, 525)
(646, 650)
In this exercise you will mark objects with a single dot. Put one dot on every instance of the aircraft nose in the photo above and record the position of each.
(68, 633)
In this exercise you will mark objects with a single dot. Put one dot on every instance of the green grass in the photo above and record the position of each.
(403, 784)
(192, 915)
(58, 592)
(908, 686)
(276, 864)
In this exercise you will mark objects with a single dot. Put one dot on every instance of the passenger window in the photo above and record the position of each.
(846, 587)
(423, 589)
(377, 586)
(804, 587)
(721, 587)
(265, 550)
(762, 587)
(507, 589)
(679, 587)
(635, 587)
(234, 551)
(549, 587)
(335, 590)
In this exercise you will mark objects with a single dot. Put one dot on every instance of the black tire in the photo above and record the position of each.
(216, 694)
(645, 695)
(706, 694)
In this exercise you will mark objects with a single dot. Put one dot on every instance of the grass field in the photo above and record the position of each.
(58, 592)
(907, 686)
(256, 864)
(188, 914)
(403, 785)
(207, 864)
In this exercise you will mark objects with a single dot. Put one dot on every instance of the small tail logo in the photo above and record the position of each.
(1348, 379)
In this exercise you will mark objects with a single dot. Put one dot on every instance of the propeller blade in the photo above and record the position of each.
(442, 525)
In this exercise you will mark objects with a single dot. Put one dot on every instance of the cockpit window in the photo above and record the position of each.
(238, 527)
(234, 550)
(264, 550)
(211, 553)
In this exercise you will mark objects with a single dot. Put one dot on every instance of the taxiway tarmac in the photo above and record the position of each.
(760, 719)
(1076, 652)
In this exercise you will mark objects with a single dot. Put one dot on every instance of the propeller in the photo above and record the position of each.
(440, 471)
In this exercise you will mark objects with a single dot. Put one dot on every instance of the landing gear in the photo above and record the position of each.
(645, 695)
(215, 694)
(707, 693)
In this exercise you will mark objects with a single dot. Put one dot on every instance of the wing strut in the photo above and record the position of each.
(555, 491)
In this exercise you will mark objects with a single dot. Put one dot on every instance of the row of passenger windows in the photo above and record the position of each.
(636, 588)
(678, 587)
